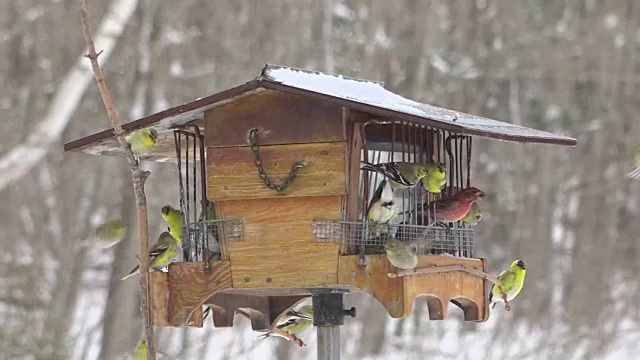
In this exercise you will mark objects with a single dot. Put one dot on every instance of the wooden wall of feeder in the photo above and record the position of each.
(274, 168)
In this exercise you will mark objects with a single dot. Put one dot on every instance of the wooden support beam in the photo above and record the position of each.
(191, 284)
(443, 269)
(262, 311)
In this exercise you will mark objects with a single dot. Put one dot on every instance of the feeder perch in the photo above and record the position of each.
(275, 203)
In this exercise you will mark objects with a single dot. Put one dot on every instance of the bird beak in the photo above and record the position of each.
(480, 194)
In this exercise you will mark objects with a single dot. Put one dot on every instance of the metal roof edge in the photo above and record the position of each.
(168, 113)
(275, 85)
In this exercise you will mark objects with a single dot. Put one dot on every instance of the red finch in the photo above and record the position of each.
(456, 207)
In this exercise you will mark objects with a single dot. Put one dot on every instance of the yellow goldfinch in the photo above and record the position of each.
(161, 254)
(512, 281)
(141, 350)
(381, 209)
(142, 141)
(294, 321)
(402, 255)
(436, 178)
(635, 170)
(110, 233)
(173, 218)
(401, 174)
(474, 216)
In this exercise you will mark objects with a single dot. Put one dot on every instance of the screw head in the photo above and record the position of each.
(247, 279)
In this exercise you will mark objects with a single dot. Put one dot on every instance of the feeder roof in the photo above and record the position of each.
(362, 95)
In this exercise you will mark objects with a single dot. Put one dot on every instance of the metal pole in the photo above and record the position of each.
(329, 342)
(328, 315)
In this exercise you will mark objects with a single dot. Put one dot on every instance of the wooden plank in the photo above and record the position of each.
(373, 279)
(398, 295)
(159, 299)
(279, 248)
(190, 284)
(232, 174)
(448, 286)
(281, 118)
(356, 144)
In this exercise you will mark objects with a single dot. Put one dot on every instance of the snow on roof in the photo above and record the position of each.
(374, 94)
(362, 95)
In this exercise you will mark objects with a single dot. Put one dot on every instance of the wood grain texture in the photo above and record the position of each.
(281, 119)
(279, 249)
(262, 311)
(355, 146)
(159, 299)
(398, 294)
(232, 174)
(190, 284)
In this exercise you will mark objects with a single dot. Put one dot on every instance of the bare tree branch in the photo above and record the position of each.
(22, 158)
(138, 178)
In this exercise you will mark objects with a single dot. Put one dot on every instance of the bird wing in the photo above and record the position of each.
(378, 194)
(508, 279)
(300, 315)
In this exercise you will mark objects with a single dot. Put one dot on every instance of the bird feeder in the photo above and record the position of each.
(279, 158)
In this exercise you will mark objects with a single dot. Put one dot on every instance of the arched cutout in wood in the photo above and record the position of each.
(469, 308)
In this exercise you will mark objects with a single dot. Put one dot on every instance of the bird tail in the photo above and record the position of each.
(634, 173)
(135, 271)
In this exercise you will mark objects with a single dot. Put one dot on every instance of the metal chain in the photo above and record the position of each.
(295, 168)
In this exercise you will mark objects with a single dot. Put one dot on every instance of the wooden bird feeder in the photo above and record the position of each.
(279, 157)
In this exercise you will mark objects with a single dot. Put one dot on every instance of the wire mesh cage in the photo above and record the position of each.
(205, 234)
(400, 141)
(205, 240)
(429, 240)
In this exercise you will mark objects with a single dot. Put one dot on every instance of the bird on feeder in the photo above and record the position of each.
(453, 208)
(401, 254)
(381, 209)
(142, 141)
(404, 175)
(512, 281)
(212, 229)
(161, 254)
(474, 216)
(173, 218)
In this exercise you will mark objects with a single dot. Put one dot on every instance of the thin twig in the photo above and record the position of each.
(138, 178)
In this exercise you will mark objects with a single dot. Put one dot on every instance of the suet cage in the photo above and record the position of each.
(399, 141)
(271, 171)
(204, 234)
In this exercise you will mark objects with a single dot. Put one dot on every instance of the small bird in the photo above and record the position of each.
(212, 230)
(110, 233)
(403, 255)
(512, 281)
(403, 175)
(173, 218)
(436, 178)
(381, 209)
(141, 350)
(455, 207)
(635, 170)
(161, 254)
(474, 216)
(142, 141)
(294, 321)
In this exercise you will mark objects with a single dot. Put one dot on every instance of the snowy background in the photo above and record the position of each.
(571, 67)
